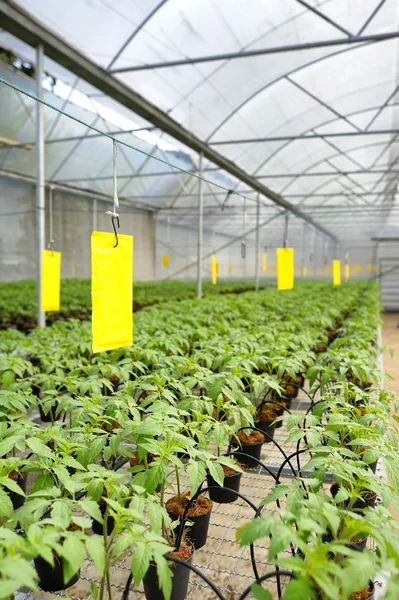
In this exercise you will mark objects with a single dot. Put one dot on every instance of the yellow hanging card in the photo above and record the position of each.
(328, 268)
(111, 291)
(285, 268)
(347, 271)
(165, 260)
(214, 269)
(264, 262)
(337, 272)
(51, 278)
(217, 268)
(230, 270)
(305, 271)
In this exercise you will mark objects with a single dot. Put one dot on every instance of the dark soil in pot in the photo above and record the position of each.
(251, 445)
(181, 575)
(366, 593)
(199, 513)
(21, 479)
(231, 482)
(97, 527)
(266, 413)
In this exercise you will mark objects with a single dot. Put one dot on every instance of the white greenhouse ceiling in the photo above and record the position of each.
(301, 95)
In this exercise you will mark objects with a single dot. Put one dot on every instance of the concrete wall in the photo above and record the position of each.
(73, 221)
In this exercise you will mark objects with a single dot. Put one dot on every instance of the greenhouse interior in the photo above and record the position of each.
(199, 300)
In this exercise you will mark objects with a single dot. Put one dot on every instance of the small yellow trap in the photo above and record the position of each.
(285, 268)
(264, 262)
(165, 260)
(111, 291)
(51, 278)
(214, 268)
(337, 272)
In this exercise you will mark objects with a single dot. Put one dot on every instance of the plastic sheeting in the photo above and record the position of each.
(314, 92)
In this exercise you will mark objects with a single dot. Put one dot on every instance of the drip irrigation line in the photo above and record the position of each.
(121, 143)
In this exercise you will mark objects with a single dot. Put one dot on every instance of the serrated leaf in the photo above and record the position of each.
(96, 550)
(39, 448)
(216, 471)
(260, 593)
(140, 561)
(6, 507)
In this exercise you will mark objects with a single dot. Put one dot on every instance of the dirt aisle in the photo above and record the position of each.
(390, 338)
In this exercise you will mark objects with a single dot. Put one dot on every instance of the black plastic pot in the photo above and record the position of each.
(268, 427)
(367, 502)
(51, 579)
(251, 451)
(16, 499)
(98, 528)
(198, 532)
(181, 577)
(223, 495)
(373, 466)
(359, 545)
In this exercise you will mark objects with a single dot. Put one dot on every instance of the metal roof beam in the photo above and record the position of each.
(355, 39)
(306, 136)
(19, 23)
(326, 173)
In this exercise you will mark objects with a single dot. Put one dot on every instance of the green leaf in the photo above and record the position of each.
(94, 590)
(276, 492)
(197, 473)
(39, 448)
(164, 575)
(96, 550)
(6, 507)
(73, 551)
(216, 471)
(43, 482)
(92, 509)
(260, 593)
(256, 529)
(140, 561)
(62, 511)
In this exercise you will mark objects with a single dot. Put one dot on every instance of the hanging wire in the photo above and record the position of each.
(244, 243)
(113, 213)
(50, 244)
(125, 144)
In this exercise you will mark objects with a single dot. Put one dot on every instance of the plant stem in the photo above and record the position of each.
(177, 482)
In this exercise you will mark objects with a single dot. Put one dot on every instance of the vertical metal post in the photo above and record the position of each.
(257, 238)
(285, 242)
(200, 229)
(40, 197)
(95, 214)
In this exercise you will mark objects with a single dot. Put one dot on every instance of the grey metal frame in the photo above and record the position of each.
(40, 197)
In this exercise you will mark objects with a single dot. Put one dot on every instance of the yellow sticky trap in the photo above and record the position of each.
(264, 262)
(357, 268)
(337, 272)
(304, 271)
(230, 270)
(328, 268)
(347, 271)
(214, 269)
(188, 267)
(217, 268)
(285, 268)
(111, 291)
(165, 260)
(369, 268)
(51, 278)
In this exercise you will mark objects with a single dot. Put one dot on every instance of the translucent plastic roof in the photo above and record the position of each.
(319, 123)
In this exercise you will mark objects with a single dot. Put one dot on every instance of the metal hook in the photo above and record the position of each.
(116, 233)
(243, 249)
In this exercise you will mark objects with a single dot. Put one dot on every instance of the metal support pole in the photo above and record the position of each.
(95, 214)
(40, 189)
(200, 229)
(257, 236)
(285, 230)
